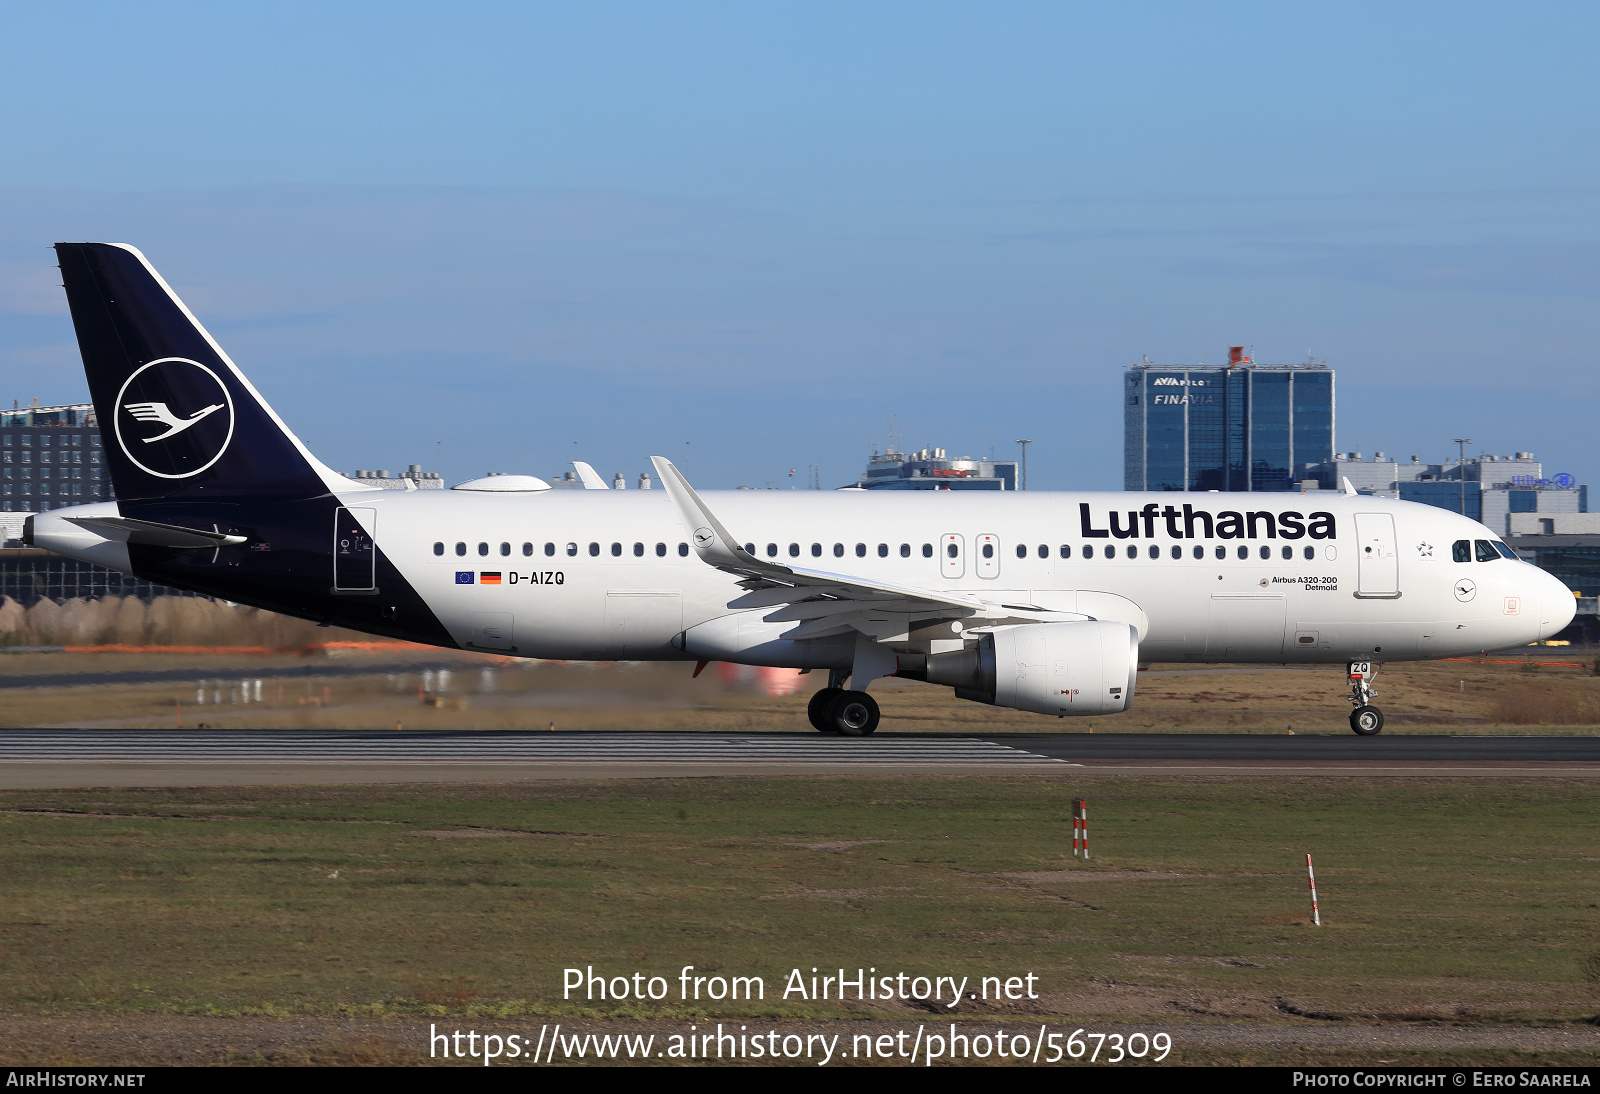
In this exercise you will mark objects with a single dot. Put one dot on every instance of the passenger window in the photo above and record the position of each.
(951, 550)
(905, 550)
(1110, 552)
(750, 549)
(1288, 552)
(438, 548)
(683, 550)
(1155, 552)
(1044, 552)
(483, 548)
(794, 550)
(816, 550)
(838, 550)
(988, 550)
(1199, 551)
(661, 550)
(572, 549)
(527, 550)
(461, 548)
(1177, 552)
(1022, 550)
(1222, 552)
(1265, 552)
(550, 548)
(883, 550)
(1244, 552)
(594, 550)
(616, 550)
(1486, 551)
(638, 550)
(1133, 552)
(927, 550)
(505, 549)
(861, 550)
(1066, 552)
(1310, 553)
(1461, 550)
(772, 550)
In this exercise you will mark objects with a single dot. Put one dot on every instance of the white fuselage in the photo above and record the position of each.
(586, 575)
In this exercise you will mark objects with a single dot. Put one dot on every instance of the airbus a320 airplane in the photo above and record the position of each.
(1044, 602)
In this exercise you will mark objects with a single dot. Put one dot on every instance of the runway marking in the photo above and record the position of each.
(24, 746)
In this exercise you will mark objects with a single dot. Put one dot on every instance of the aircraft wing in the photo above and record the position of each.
(819, 602)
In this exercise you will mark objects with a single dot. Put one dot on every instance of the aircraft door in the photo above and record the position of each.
(1377, 560)
(952, 561)
(492, 631)
(355, 557)
(987, 562)
(639, 623)
(1245, 627)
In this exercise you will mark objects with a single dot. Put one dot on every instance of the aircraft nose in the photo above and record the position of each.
(1556, 604)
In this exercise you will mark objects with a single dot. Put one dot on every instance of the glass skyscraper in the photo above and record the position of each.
(1239, 427)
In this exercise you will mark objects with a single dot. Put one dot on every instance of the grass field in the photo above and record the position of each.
(1427, 697)
(1445, 901)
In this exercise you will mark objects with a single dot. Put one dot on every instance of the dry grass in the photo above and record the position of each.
(165, 621)
(1551, 703)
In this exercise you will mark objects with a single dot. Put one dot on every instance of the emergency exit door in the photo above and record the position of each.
(1377, 559)
(355, 556)
(951, 560)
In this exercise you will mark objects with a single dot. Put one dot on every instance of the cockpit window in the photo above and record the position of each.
(1506, 552)
(1486, 551)
(1461, 550)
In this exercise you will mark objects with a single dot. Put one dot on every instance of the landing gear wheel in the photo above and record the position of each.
(1367, 721)
(853, 713)
(817, 709)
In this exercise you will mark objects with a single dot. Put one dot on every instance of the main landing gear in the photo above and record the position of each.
(1366, 719)
(835, 710)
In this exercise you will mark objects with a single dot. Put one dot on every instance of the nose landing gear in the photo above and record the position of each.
(1366, 720)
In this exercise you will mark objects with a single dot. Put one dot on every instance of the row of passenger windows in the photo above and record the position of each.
(988, 550)
(570, 549)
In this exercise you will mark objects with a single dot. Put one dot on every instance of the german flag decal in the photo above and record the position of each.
(486, 578)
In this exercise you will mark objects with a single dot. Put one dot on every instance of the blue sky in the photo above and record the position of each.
(490, 237)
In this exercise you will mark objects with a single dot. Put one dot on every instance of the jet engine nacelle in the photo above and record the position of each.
(1066, 669)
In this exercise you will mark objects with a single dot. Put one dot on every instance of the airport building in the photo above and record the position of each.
(413, 478)
(1240, 426)
(934, 469)
(1510, 494)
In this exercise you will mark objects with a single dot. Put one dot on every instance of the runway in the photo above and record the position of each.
(32, 758)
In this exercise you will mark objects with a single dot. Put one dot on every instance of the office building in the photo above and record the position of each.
(1242, 426)
(51, 456)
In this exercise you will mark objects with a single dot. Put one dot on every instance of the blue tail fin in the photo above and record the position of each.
(180, 422)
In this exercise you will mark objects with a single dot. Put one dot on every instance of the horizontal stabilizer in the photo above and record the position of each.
(150, 534)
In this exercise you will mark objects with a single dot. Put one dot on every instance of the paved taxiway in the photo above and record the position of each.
(68, 757)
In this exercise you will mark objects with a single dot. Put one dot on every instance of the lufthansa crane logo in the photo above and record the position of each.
(174, 418)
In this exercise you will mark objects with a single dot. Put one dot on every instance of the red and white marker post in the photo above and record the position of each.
(1080, 827)
(1316, 917)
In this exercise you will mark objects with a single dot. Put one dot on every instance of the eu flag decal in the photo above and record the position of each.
(463, 577)
(488, 578)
